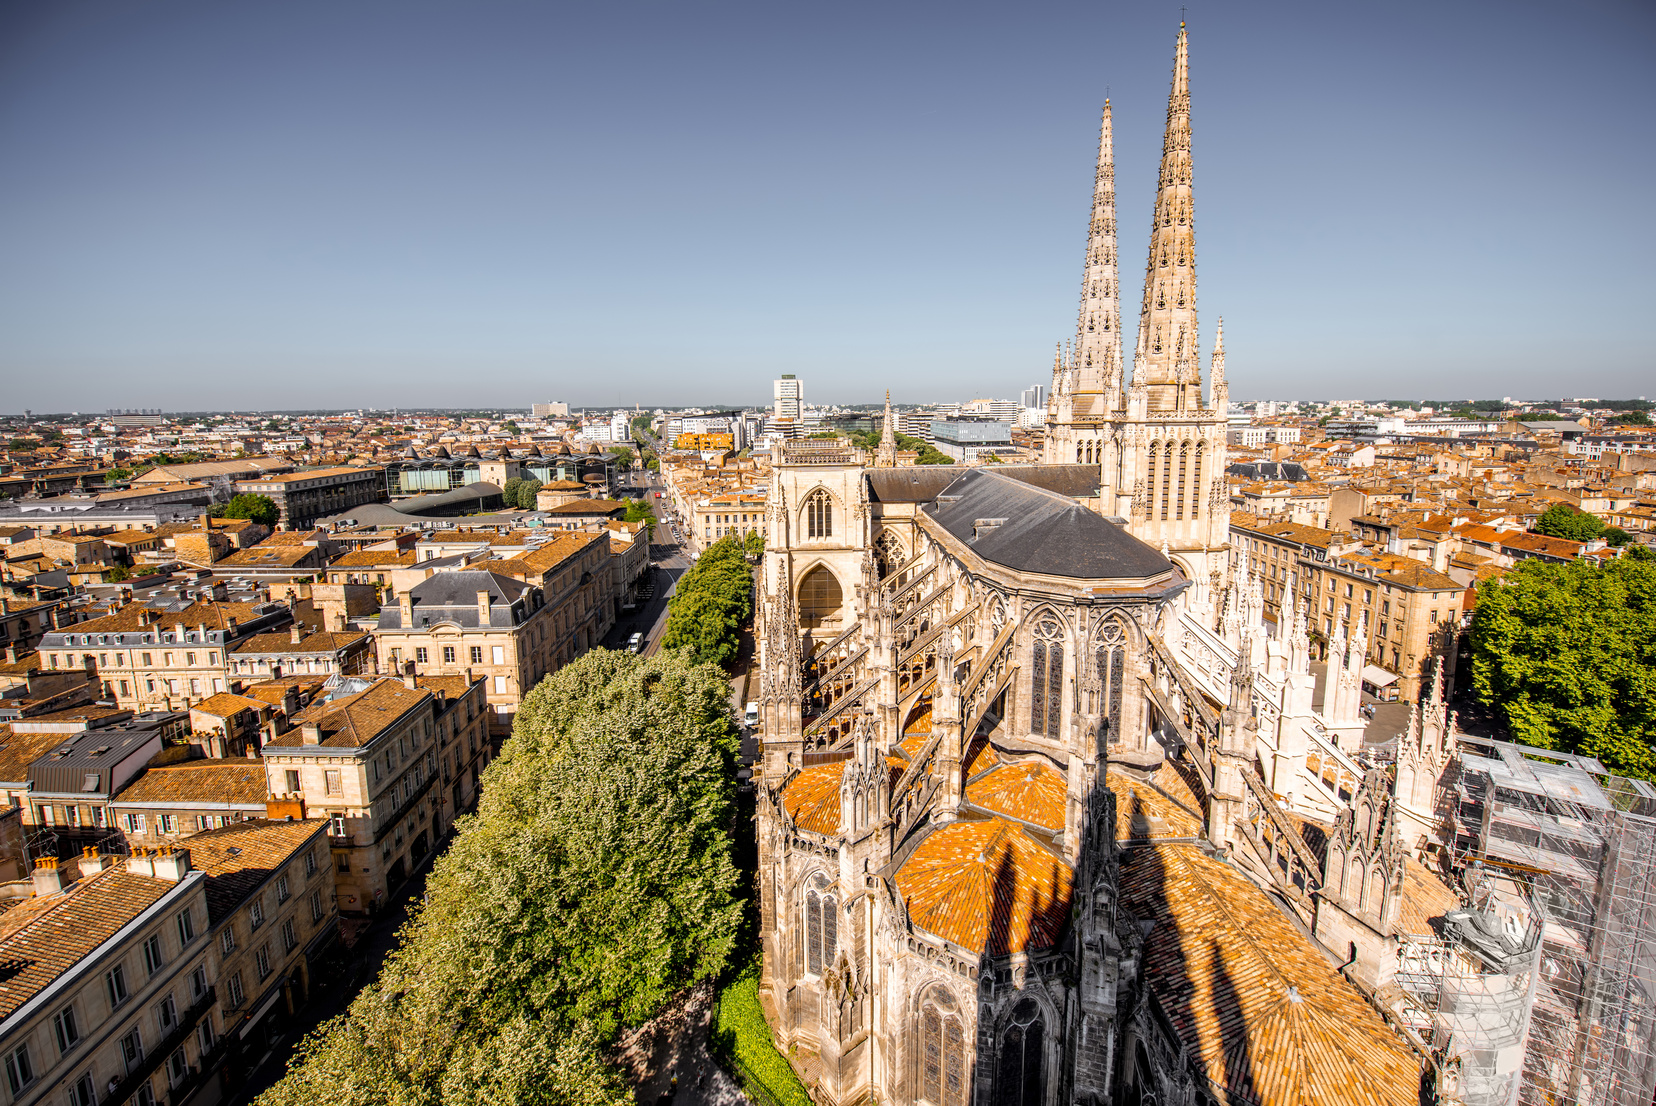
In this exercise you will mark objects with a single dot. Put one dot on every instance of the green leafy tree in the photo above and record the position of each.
(526, 492)
(1633, 418)
(1565, 654)
(260, 508)
(1639, 552)
(623, 456)
(1563, 521)
(511, 428)
(754, 543)
(710, 604)
(509, 491)
(594, 882)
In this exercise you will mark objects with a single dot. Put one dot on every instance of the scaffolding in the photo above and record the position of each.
(1560, 840)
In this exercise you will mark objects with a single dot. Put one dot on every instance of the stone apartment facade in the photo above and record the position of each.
(389, 763)
(303, 497)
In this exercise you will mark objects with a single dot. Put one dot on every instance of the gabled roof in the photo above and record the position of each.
(240, 858)
(1029, 529)
(232, 780)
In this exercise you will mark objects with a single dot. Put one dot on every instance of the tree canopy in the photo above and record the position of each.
(260, 508)
(1565, 654)
(594, 882)
(623, 455)
(710, 604)
(1564, 521)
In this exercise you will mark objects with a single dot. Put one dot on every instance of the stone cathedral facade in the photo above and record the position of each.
(1046, 813)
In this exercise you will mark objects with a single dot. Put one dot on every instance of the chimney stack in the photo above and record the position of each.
(311, 734)
(172, 863)
(48, 877)
(408, 675)
(406, 604)
(483, 603)
(92, 861)
(293, 634)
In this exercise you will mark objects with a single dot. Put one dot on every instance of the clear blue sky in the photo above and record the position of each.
(294, 204)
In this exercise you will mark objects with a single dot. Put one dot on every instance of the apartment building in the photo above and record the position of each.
(1347, 588)
(111, 995)
(322, 652)
(167, 803)
(303, 497)
(499, 627)
(389, 763)
(151, 658)
(24, 621)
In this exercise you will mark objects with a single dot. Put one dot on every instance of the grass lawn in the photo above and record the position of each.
(742, 1039)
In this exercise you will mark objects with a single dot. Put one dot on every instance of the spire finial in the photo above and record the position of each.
(1169, 304)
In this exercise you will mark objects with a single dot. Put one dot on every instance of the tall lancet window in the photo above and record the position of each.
(1184, 460)
(1020, 1074)
(942, 1051)
(1111, 658)
(1196, 481)
(1046, 688)
(821, 925)
(819, 514)
(1166, 478)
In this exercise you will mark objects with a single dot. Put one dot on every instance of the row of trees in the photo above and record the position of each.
(711, 603)
(1565, 655)
(594, 882)
(520, 492)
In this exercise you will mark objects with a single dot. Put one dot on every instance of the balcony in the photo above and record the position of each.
(165, 1048)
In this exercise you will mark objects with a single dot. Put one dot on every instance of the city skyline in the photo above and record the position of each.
(439, 209)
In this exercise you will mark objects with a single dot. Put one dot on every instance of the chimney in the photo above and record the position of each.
(139, 863)
(293, 634)
(92, 861)
(180, 629)
(408, 674)
(311, 734)
(11, 653)
(406, 603)
(172, 863)
(48, 877)
(483, 601)
(337, 622)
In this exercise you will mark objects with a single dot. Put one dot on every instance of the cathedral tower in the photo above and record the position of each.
(1164, 465)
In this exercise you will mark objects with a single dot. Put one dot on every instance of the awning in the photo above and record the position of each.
(260, 1010)
(1379, 677)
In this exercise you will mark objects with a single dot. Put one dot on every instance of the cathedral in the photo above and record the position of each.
(1048, 812)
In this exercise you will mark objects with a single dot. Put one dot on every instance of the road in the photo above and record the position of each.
(667, 564)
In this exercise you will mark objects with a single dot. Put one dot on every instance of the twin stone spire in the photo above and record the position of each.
(1089, 380)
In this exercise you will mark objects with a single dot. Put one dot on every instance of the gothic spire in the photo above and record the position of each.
(1098, 330)
(886, 456)
(1219, 387)
(1167, 320)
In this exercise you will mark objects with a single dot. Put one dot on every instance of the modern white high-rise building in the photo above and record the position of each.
(790, 396)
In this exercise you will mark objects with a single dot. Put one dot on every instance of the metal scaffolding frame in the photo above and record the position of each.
(1574, 847)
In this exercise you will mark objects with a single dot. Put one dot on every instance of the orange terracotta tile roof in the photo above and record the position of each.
(812, 797)
(919, 721)
(981, 759)
(1262, 1012)
(987, 886)
(19, 750)
(226, 703)
(1425, 899)
(323, 641)
(354, 720)
(231, 780)
(1032, 791)
(242, 856)
(46, 937)
(1145, 814)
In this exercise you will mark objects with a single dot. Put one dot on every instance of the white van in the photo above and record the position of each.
(751, 716)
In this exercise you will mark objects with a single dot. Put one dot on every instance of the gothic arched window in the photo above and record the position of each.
(1184, 459)
(942, 1052)
(1020, 1073)
(1196, 481)
(1046, 689)
(1111, 660)
(888, 553)
(820, 598)
(819, 514)
(821, 926)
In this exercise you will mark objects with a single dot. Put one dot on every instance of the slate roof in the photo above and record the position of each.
(237, 781)
(1041, 531)
(987, 886)
(1260, 1010)
(452, 597)
(924, 483)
